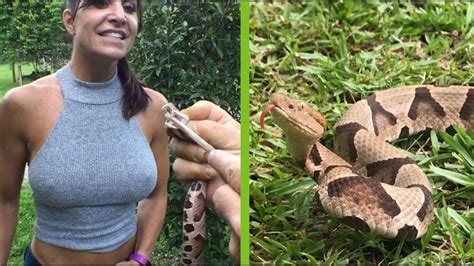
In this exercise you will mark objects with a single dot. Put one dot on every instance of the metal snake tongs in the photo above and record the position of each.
(176, 121)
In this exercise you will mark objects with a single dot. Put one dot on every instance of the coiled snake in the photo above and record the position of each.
(373, 186)
(194, 210)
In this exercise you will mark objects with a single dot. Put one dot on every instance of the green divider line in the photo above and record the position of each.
(244, 122)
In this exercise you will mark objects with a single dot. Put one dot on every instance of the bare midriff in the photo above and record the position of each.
(50, 254)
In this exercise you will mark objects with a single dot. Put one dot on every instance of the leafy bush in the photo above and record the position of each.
(189, 53)
(32, 31)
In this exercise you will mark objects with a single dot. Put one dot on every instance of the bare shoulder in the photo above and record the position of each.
(24, 104)
(155, 106)
(31, 95)
(152, 118)
(157, 99)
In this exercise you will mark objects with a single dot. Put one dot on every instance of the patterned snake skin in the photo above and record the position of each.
(370, 184)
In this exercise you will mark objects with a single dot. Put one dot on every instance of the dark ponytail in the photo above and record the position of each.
(134, 99)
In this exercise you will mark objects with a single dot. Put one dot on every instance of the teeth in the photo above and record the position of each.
(114, 35)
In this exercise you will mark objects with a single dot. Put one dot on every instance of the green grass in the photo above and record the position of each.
(24, 229)
(6, 81)
(331, 56)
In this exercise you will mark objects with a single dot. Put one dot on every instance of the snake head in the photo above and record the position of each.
(301, 123)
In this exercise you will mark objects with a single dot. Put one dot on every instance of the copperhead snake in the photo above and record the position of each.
(194, 209)
(370, 184)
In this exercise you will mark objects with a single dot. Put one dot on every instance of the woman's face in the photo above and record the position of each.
(106, 28)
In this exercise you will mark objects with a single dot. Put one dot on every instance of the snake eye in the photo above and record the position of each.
(300, 106)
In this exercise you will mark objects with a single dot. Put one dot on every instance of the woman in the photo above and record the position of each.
(95, 144)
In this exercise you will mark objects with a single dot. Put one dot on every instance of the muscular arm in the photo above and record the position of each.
(152, 210)
(13, 155)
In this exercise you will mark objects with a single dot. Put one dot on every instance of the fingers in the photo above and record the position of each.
(225, 201)
(204, 110)
(187, 151)
(234, 248)
(187, 171)
(227, 165)
(191, 162)
(219, 136)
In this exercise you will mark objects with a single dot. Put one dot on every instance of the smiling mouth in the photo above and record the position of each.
(114, 34)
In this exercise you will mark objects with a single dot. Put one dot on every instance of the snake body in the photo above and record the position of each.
(370, 184)
(194, 207)
(194, 224)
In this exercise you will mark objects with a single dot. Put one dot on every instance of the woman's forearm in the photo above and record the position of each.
(151, 217)
(9, 214)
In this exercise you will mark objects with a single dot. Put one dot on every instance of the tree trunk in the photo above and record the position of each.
(12, 65)
(20, 75)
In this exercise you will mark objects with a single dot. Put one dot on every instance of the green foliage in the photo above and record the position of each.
(32, 31)
(331, 55)
(190, 52)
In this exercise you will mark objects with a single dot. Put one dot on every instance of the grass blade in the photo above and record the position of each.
(455, 177)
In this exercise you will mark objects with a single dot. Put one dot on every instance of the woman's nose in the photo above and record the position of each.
(117, 14)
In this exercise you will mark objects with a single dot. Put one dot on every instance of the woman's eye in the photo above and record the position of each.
(100, 3)
(129, 7)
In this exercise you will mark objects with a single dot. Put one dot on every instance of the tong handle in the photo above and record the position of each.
(177, 121)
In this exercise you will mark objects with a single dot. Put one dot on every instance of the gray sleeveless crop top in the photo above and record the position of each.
(91, 170)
